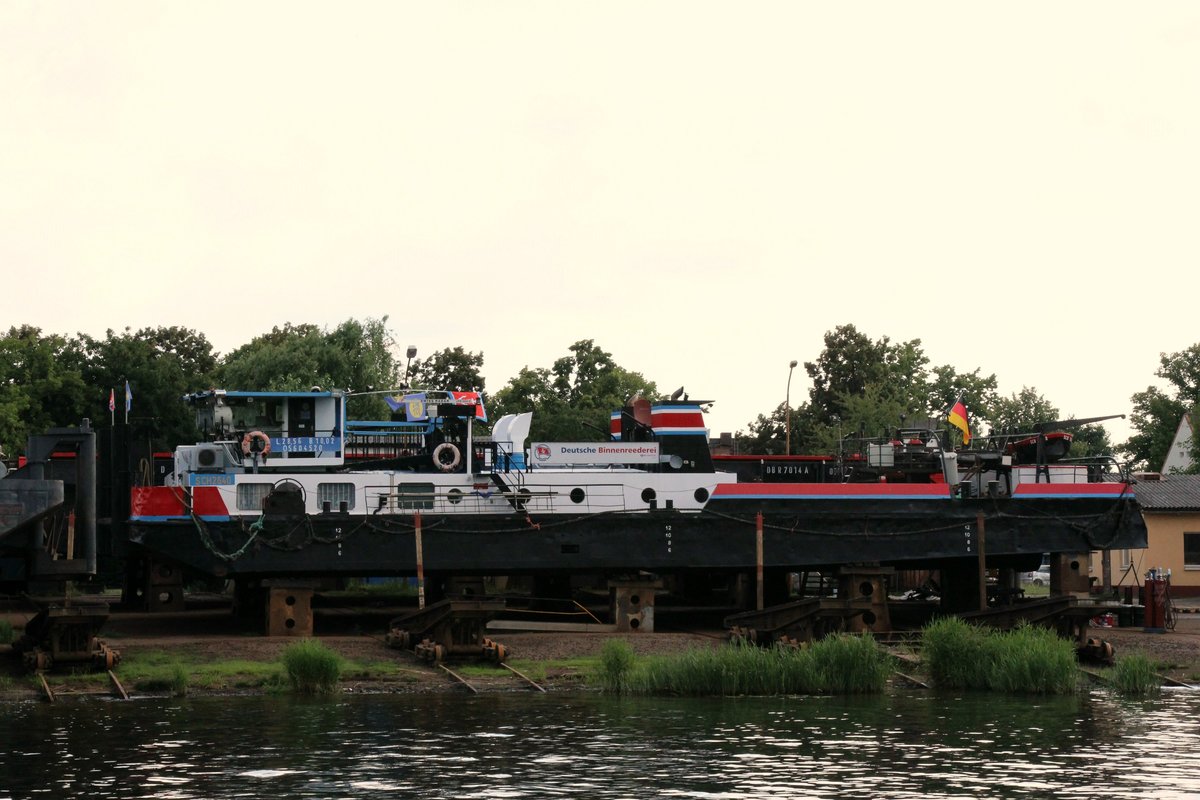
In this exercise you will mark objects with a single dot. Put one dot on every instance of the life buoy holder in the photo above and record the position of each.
(446, 457)
(248, 444)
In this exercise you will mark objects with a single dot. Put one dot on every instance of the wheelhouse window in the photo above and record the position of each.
(250, 496)
(257, 413)
(335, 494)
(1191, 551)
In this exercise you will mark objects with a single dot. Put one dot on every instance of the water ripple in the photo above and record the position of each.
(516, 746)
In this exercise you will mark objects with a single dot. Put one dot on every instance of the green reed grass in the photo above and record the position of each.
(839, 664)
(1030, 660)
(172, 677)
(1134, 676)
(1025, 660)
(616, 664)
(311, 667)
(6, 632)
(955, 653)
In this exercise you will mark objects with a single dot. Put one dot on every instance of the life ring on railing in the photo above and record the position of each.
(446, 457)
(248, 444)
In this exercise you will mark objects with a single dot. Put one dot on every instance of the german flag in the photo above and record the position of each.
(958, 418)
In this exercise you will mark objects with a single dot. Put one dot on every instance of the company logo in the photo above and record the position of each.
(541, 452)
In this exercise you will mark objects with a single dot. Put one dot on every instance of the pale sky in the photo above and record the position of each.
(704, 189)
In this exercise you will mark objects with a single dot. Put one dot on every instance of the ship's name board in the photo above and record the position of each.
(321, 445)
(560, 453)
(210, 479)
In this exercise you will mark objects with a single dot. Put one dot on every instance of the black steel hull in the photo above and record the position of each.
(796, 535)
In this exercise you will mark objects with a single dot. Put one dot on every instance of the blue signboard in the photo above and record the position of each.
(322, 446)
(213, 479)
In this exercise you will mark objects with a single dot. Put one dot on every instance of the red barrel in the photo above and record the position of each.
(1155, 599)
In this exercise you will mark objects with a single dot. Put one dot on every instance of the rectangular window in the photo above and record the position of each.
(250, 496)
(1126, 559)
(335, 494)
(1191, 551)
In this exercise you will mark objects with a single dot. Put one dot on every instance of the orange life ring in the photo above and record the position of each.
(248, 450)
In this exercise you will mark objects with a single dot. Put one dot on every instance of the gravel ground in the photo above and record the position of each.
(205, 636)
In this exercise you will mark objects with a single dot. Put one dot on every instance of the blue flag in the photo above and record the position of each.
(128, 398)
(414, 407)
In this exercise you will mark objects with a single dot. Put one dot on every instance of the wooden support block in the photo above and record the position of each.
(289, 611)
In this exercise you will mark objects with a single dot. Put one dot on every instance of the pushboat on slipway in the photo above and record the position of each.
(287, 484)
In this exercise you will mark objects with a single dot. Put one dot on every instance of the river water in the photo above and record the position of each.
(518, 745)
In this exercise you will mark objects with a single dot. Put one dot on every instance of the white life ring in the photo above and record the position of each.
(247, 450)
(442, 464)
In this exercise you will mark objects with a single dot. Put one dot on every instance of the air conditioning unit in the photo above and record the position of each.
(201, 458)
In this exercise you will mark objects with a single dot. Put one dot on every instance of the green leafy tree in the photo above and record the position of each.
(767, 433)
(870, 386)
(573, 399)
(451, 369)
(977, 392)
(1091, 440)
(1021, 412)
(41, 386)
(1156, 413)
(161, 365)
(850, 362)
(356, 356)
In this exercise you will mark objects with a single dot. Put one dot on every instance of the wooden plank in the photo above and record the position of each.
(458, 678)
(907, 658)
(911, 679)
(117, 687)
(46, 687)
(523, 676)
(1172, 682)
(549, 627)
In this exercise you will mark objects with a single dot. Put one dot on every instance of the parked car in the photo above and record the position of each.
(1039, 577)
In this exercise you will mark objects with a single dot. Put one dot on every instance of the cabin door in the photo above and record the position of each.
(301, 416)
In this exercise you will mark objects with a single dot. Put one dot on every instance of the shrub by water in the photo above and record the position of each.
(1134, 676)
(1024, 660)
(312, 667)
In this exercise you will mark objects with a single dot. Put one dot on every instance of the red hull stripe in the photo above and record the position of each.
(831, 491)
(167, 501)
(1073, 490)
(676, 418)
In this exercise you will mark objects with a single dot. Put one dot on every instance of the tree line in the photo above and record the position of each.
(860, 386)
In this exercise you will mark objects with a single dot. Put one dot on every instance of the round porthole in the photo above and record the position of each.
(701, 495)
(648, 495)
(577, 495)
(454, 496)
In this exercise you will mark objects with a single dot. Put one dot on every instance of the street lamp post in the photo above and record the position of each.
(788, 402)
(412, 353)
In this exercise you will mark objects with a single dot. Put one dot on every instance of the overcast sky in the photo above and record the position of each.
(704, 189)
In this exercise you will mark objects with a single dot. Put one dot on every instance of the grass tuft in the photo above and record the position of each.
(840, 664)
(6, 632)
(311, 667)
(1133, 675)
(1025, 660)
(616, 664)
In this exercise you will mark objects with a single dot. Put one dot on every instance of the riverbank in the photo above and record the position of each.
(199, 653)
